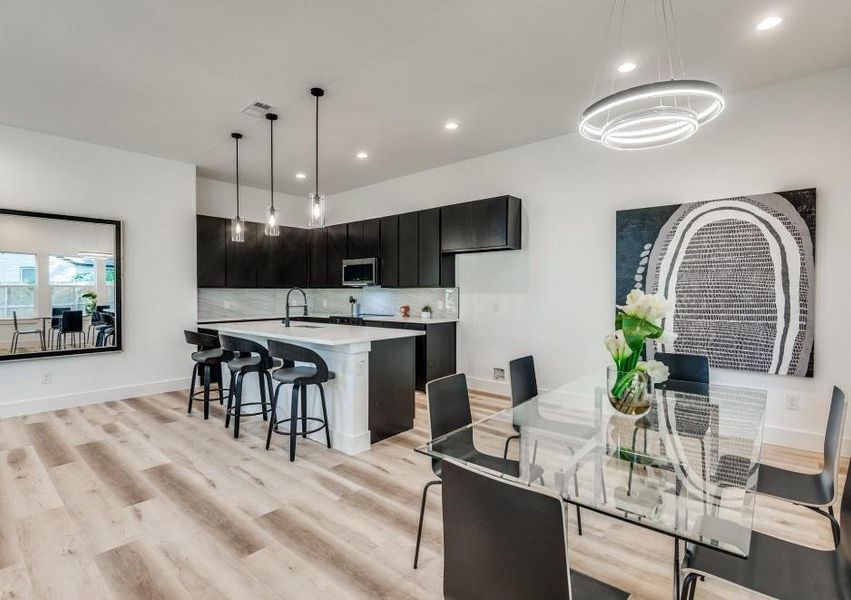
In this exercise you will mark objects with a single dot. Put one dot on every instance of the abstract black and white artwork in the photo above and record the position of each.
(739, 272)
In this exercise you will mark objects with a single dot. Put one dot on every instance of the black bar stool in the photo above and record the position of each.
(208, 366)
(315, 373)
(250, 357)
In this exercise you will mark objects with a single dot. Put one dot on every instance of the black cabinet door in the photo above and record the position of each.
(354, 244)
(317, 242)
(429, 248)
(211, 253)
(440, 351)
(456, 227)
(408, 250)
(371, 238)
(270, 259)
(489, 222)
(389, 251)
(337, 247)
(447, 270)
(241, 258)
(294, 272)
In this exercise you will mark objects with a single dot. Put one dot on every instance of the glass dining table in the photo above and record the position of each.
(686, 469)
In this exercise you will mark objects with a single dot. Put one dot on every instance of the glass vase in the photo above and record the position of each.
(630, 393)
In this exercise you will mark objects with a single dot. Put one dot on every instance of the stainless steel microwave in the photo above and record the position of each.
(360, 272)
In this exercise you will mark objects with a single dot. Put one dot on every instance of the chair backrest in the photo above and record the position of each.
(204, 341)
(290, 354)
(448, 410)
(56, 316)
(501, 540)
(524, 384)
(102, 307)
(845, 520)
(685, 367)
(833, 440)
(244, 347)
(72, 321)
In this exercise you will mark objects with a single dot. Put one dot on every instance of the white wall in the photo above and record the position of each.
(218, 199)
(554, 298)
(155, 200)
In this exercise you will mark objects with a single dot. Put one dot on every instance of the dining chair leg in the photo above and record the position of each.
(14, 343)
(689, 586)
(834, 525)
(293, 422)
(505, 451)
(422, 514)
(676, 569)
(41, 336)
(324, 415)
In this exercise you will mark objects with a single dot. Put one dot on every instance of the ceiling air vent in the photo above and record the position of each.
(256, 109)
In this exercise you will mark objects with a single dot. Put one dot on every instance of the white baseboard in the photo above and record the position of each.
(36, 405)
(488, 385)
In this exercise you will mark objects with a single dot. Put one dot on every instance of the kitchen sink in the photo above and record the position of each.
(306, 326)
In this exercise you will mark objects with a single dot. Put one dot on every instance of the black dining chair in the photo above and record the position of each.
(502, 540)
(55, 324)
(778, 568)
(104, 329)
(18, 332)
(248, 357)
(208, 359)
(524, 387)
(816, 491)
(449, 410)
(70, 323)
(314, 372)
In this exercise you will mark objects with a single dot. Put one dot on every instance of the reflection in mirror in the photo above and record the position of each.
(59, 285)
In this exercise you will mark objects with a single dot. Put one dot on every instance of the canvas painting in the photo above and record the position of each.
(739, 272)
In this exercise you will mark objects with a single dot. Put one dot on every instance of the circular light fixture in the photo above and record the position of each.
(300, 176)
(652, 115)
(627, 67)
(451, 125)
(768, 23)
(362, 155)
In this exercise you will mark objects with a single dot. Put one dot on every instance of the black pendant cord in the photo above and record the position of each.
(316, 149)
(272, 118)
(237, 137)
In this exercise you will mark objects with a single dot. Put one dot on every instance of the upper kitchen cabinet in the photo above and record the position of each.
(428, 238)
(294, 269)
(481, 225)
(363, 239)
(409, 250)
(270, 259)
(211, 233)
(317, 244)
(389, 251)
(241, 257)
(337, 250)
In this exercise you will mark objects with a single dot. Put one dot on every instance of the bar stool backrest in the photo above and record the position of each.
(204, 341)
(290, 354)
(244, 347)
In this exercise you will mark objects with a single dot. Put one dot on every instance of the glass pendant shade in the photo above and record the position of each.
(273, 221)
(237, 229)
(316, 204)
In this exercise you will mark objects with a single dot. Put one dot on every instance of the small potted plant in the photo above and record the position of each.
(91, 299)
(426, 312)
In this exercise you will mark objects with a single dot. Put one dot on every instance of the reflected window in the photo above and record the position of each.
(17, 284)
(110, 282)
(69, 278)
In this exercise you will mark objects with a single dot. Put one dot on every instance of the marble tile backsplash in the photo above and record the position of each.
(229, 303)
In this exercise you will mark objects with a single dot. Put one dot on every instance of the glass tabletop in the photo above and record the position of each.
(684, 469)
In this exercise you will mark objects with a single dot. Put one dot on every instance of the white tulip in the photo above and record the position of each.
(634, 297)
(616, 345)
(667, 337)
(657, 370)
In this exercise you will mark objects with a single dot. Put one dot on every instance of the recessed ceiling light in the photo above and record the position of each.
(451, 125)
(362, 155)
(768, 23)
(300, 176)
(627, 67)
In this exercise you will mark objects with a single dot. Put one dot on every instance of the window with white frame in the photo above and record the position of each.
(110, 282)
(17, 285)
(69, 278)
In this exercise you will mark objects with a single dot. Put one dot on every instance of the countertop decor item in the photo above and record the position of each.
(666, 111)
(630, 381)
(425, 313)
(405, 310)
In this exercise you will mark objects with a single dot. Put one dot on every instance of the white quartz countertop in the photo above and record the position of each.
(392, 319)
(320, 334)
(408, 320)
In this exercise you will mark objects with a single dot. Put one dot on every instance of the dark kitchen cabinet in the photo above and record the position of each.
(241, 257)
(294, 272)
(363, 239)
(436, 355)
(270, 260)
(409, 250)
(428, 248)
(389, 251)
(354, 243)
(337, 248)
(481, 225)
(317, 244)
(210, 237)
(447, 270)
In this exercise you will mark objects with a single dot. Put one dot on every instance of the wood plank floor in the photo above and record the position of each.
(136, 499)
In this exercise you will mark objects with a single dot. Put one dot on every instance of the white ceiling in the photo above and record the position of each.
(169, 77)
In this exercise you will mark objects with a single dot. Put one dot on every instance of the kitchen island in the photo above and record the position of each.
(372, 395)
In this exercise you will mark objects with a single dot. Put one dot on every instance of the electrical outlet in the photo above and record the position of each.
(226, 304)
(498, 373)
(793, 402)
(46, 378)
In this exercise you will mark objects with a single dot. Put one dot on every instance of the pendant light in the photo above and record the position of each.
(237, 224)
(272, 227)
(653, 114)
(316, 201)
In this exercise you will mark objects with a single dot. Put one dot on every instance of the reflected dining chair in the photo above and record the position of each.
(502, 540)
(55, 324)
(778, 568)
(448, 410)
(19, 332)
(70, 323)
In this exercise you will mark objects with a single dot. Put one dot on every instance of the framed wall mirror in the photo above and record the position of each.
(60, 285)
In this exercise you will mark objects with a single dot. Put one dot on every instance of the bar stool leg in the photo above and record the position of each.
(231, 391)
(208, 376)
(262, 381)
(219, 384)
(192, 387)
(325, 414)
(293, 422)
(304, 411)
(273, 417)
(238, 404)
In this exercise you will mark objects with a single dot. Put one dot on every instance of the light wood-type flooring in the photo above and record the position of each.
(136, 499)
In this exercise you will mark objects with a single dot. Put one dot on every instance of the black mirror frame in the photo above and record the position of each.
(119, 284)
